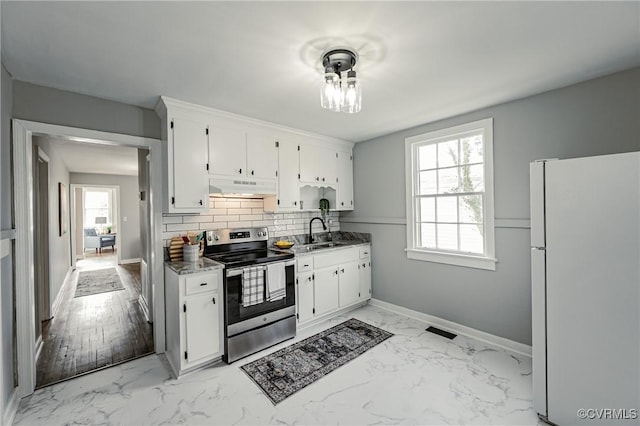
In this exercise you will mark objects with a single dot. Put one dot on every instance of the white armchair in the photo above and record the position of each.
(91, 239)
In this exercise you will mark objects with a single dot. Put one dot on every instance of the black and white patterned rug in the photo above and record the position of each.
(290, 369)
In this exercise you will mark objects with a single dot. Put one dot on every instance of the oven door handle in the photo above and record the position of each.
(239, 271)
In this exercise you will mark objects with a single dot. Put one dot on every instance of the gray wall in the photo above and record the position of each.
(601, 116)
(47, 105)
(6, 269)
(128, 232)
(59, 245)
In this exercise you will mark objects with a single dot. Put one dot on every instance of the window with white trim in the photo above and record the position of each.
(450, 195)
(97, 204)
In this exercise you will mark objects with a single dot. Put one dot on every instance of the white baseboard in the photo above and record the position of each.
(11, 409)
(145, 309)
(125, 261)
(511, 345)
(58, 301)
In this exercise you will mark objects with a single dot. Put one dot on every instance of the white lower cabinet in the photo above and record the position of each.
(330, 281)
(364, 271)
(305, 296)
(193, 319)
(349, 283)
(200, 343)
(325, 290)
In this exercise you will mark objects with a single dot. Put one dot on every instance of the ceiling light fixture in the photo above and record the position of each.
(338, 93)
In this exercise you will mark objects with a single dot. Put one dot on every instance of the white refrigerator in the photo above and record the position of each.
(585, 267)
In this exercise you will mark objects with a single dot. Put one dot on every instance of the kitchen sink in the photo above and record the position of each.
(320, 246)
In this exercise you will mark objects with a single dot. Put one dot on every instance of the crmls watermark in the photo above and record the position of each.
(608, 413)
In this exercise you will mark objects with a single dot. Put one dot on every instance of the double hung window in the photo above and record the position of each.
(450, 195)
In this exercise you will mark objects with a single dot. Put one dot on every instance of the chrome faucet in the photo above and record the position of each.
(310, 236)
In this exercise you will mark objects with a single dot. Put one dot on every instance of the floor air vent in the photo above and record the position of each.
(442, 333)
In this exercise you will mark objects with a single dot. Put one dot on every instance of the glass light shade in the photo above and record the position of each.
(330, 94)
(351, 95)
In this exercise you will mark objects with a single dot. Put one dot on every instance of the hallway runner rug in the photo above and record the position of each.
(286, 371)
(98, 281)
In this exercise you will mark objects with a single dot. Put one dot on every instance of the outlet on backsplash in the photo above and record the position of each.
(244, 213)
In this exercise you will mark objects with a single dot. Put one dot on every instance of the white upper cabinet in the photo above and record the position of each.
(242, 149)
(345, 181)
(318, 166)
(190, 190)
(288, 191)
(262, 154)
(185, 133)
(208, 150)
(228, 148)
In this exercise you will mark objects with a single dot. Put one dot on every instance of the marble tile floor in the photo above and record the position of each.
(415, 377)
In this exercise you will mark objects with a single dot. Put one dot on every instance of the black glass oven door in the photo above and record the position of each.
(235, 312)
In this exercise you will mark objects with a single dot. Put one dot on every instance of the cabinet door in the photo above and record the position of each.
(309, 163)
(228, 149)
(345, 181)
(305, 296)
(329, 173)
(349, 283)
(365, 279)
(325, 290)
(288, 190)
(318, 165)
(190, 183)
(202, 326)
(262, 154)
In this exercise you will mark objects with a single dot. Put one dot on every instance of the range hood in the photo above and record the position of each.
(242, 186)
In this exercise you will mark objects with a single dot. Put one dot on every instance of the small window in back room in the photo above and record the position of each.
(450, 195)
(97, 209)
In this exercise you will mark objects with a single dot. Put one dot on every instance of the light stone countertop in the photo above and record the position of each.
(301, 250)
(202, 265)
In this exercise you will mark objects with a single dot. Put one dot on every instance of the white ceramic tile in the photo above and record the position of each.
(415, 377)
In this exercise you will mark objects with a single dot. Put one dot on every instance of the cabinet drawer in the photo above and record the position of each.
(305, 264)
(365, 252)
(335, 257)
(201, 283)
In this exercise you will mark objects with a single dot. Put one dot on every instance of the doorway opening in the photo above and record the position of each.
(24, 132)
(41, 247)
(90, 252)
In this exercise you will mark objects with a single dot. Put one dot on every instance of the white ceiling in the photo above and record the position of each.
(420, 61)
(99, 159)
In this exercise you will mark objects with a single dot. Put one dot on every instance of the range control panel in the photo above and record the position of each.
(226, 236)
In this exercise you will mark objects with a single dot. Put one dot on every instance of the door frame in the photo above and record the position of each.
(115, 212)
(44, 220)
(23, 132)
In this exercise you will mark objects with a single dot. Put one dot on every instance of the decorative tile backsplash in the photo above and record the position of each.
(244, 213)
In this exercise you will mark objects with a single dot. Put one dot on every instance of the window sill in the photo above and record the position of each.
(469, 261)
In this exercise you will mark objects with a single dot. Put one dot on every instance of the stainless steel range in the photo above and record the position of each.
(259, 290)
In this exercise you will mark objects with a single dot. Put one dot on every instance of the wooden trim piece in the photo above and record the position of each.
(25, 302)
(499, 223)
(8, 234)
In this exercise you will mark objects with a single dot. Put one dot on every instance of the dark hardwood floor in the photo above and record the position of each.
(92, 332)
